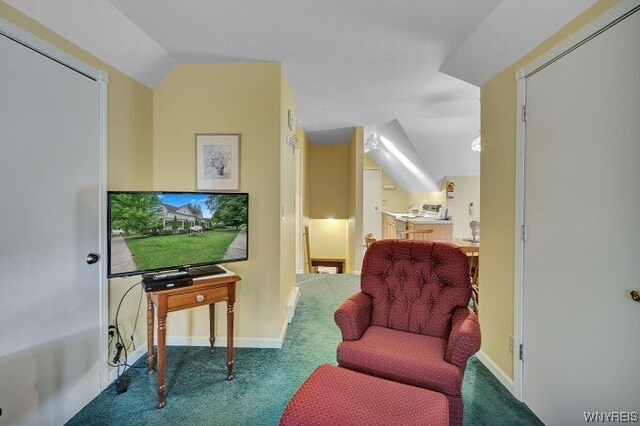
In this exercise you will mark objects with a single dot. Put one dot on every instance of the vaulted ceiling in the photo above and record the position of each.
(411, 68)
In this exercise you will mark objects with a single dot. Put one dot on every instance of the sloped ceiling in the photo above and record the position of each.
(349, 63)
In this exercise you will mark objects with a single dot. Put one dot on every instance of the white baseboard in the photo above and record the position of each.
(300, 271)
(292, 303)
(238, 342)
(357, 272)
(283, 333)
(506, 381)
(131, 359)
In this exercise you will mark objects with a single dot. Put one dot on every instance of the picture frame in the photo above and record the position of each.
(218, 161)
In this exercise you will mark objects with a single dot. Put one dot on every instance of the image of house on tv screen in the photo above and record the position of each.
(152, 231)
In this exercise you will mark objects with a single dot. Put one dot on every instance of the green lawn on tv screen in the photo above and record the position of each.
(153, 252)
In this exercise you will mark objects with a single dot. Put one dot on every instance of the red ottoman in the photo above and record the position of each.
(337, 396)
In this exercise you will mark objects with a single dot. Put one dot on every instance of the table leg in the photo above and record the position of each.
(212, 327)
(150, 325)
(229, 340)
(162, 334)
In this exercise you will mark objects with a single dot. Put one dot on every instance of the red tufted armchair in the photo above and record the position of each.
(411, 322)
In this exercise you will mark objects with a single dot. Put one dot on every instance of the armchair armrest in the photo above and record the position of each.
(353, 316)
(464, 339)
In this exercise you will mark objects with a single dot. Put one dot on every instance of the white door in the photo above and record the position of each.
(371, 201)
(581, 328)
(50, 196)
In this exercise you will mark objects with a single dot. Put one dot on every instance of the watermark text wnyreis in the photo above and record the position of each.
(611, 416)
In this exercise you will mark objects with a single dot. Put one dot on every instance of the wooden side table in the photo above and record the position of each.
(207, 290)
(334, 263)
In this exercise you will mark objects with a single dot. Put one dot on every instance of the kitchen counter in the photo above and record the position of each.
(395, 225)
(417, 219)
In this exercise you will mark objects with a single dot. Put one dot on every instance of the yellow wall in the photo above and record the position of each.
(328, 238)
(467, 190)
(393, 200)
(287, 198)
(328, 181)
(130, 113)
(334, 191)
(231, 98)
(302, 194)
(354, 224)
(497, 191)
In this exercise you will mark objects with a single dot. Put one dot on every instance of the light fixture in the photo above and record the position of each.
(371, 143)
(475, 145)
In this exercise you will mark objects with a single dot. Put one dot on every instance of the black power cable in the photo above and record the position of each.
(120, 358)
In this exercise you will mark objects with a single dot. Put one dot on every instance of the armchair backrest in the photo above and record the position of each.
(415, 285)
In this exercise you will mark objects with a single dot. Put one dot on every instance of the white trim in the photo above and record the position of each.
(283, 333)
(103, 81)
(131, 359)
(519, 244)
(357, 272)
(238, 342)
(23, 37)
(521, 75)
(294, 297)
(496, 371)
(29, 40)
(104, 294)
(579, 36)
(300, 271)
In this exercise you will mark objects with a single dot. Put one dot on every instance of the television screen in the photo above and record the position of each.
(156, 231)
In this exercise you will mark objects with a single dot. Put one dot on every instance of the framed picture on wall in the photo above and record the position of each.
(218, 161)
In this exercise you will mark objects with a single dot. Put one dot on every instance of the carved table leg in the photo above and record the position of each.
(150, 325)
(229, 340)
(162, 334)
(212, 327)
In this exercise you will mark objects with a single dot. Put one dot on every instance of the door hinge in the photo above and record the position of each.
(524, 113)
(521, 351)
(523, 233)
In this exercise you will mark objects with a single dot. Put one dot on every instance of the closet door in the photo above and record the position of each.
(581, 328)
(50, 303)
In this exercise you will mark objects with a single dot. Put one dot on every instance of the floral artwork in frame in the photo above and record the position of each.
(218, 162)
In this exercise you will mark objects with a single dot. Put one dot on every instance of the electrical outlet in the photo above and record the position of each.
(511, 344)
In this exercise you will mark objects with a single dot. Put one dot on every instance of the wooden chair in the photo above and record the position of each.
(474, 271)
(307, 254)
(472, 250)
(368, 240)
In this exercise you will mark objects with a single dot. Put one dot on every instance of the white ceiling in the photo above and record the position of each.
(349, 63)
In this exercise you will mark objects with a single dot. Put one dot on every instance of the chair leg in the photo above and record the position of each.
(475, 296)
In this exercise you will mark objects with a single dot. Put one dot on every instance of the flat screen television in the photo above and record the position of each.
(160, 231)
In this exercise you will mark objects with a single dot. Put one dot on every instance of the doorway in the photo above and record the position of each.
(52, 186)
(578, 180)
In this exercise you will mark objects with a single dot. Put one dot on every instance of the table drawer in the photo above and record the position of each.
(196, 297)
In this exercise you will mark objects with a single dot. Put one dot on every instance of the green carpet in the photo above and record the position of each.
(265, 379)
